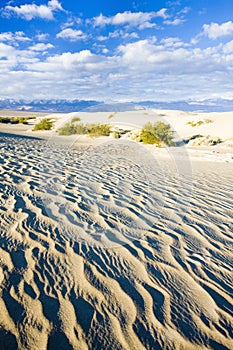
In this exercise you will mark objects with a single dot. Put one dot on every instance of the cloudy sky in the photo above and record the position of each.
(118, 50)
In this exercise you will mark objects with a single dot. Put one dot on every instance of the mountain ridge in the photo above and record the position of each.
(76, 105)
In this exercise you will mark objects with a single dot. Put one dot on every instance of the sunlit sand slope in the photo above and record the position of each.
(104, 249)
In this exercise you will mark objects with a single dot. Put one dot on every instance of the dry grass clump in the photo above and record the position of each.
(15, 120)
(93, 130)
(44, 124)
(158, 133)
(200, 122)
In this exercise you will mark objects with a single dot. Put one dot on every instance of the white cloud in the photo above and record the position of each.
(215, 30)
(42, 36)
(41, 47)
(137, 19)
(12, 37)
(185, 10)
(173, 42)
(175, 22)
(55, 5)
(31, 11)
(144, 69)
(6, 50)
(228, 48)
(162, 13)
(71, 34)
(119, 34)
(102, 38)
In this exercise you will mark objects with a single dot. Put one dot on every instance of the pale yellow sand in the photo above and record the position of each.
(111, 246)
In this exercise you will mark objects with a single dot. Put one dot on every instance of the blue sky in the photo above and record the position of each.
(118, 50)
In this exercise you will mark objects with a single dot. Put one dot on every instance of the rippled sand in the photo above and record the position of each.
(108, 247)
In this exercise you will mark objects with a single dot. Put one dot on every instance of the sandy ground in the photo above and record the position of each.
(109, 244)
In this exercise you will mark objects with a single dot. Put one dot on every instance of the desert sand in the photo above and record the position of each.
(110, 244)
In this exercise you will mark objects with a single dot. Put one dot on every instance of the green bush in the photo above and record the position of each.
(75, 119)
(148, 137)
(98, 129)
(44, 124)
(19, 120)
(83, 129)
(195, 137)
(4, 120)
(208, 121)
(67, 129)
(115, 134)
(200, 122)
(191, 124)
(159, 132)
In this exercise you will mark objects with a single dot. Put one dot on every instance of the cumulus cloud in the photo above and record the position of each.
(31, 11)
(6, 50)
(71, 34)
(144, 69)
(175, 22)
(228, 48)
(215, 30)
(13, 37)
(41, 47)
(137, 19)
(173, 42)
(42, 36)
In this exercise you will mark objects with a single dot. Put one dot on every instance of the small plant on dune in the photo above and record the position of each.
(81, 129)
(75, 119)
(200, 122)
(44, 124)
(195, 137)
(98, 130)
(208, 121)
(148, 138)
(193, 124)
(4, 120)
(111, 115)
(115, 134)
(19, 120)
(158, 132)
(67, 129)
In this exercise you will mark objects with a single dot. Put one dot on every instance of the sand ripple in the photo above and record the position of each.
(117, 254)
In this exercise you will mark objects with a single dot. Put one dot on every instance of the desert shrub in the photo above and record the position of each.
(160, 131)
(44, 124)
(195, 137)
(115, 134)
(208, 121)
(4, 120)
(200, 122)
(148, 137)
(67, 129)
(111, 116)
(14, 120)
(98, 129)
(75, 119)
(19, 120)
(191, 124)
(81, 129)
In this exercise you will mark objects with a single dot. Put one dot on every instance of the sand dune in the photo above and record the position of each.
(109, 246)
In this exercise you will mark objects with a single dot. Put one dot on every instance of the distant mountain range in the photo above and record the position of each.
(66, 106)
